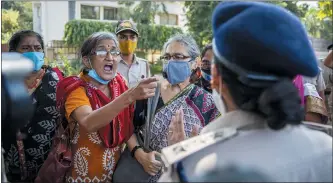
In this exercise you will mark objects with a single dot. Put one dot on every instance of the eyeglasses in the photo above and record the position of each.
(167, 57)
(103, 53)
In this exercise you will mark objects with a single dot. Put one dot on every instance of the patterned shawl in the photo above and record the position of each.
(120, 129)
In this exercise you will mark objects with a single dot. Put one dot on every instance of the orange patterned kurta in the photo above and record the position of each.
(92, 161)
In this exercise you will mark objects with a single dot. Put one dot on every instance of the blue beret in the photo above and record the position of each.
(262, 39)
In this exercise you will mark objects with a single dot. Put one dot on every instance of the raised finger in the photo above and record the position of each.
(172, 123)
(176, 123)
(151, 85)
(181, 121)
(195, 131)
(148, 80)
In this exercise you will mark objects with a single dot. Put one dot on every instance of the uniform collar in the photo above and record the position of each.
(236, 119)
(135, 61)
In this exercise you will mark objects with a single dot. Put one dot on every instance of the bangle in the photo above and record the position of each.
(134, 149)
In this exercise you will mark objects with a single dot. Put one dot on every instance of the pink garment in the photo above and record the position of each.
(298, 82)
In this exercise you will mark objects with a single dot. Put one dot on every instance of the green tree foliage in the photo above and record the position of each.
(25, 12)
(152, 37)
(293, 6)
(199, 24)
(143, 12)
(317, 27)
(68, 67)
(325, 9)
(199, 15)
(9, 24)
(156, 68)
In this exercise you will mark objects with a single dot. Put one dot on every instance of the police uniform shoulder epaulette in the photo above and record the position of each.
(319, 127)
(181, 150)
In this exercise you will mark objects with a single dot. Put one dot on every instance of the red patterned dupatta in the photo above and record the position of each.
(121, 127)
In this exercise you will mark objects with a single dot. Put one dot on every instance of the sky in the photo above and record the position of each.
(311, 3)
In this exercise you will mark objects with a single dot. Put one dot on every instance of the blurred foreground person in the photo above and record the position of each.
(25, 154)
(263, 126)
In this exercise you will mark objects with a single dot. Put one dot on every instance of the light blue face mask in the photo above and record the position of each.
(177, 71)
(37, 59)
(92, 73)
(207, 77)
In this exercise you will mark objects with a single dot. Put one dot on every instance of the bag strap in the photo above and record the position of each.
(152, 105)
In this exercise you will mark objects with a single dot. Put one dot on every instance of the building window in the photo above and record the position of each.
(90, 12)
(110, 13)
(168, 19)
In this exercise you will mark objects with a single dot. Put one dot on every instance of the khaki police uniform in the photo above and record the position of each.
(295, 153)
(135, 72)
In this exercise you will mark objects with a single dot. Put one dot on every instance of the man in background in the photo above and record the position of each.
(130, 66)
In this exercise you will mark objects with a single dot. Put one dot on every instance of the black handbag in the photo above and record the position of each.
(128, 169)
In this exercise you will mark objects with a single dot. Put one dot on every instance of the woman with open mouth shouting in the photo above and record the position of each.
(98, 107)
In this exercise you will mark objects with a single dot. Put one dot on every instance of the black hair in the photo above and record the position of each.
(205, 49)
(17, 37)
(279, 103)
(330, 47)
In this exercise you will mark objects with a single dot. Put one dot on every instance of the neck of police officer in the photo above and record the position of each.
(128, 58)
(227, 99)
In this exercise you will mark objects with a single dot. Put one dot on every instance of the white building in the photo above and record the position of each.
(50, 17)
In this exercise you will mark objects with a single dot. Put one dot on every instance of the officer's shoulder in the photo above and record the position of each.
(181, 150)
(141, 59)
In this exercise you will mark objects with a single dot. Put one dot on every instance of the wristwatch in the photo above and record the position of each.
(134, 149)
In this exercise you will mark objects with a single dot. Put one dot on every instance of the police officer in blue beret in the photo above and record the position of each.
(259, 48)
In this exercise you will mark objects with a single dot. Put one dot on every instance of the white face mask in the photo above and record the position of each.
(219, 102)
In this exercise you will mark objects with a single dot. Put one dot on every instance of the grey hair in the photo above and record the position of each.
(91, 42)
(189, 43)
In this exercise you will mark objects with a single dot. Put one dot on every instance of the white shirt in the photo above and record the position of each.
(135, 72)
(318, 81)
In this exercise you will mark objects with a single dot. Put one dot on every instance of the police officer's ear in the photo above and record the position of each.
(216, 78)
(85, 61)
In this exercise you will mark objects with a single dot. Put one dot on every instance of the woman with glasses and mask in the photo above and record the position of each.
(99, 108)
(179, 99)
(25, 154)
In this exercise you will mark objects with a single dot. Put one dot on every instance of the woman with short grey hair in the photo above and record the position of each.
(98, 107)
(179, 99)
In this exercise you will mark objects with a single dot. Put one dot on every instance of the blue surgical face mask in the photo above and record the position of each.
(37, 59)
(176, 71)
(206, 76)
(92, 73)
